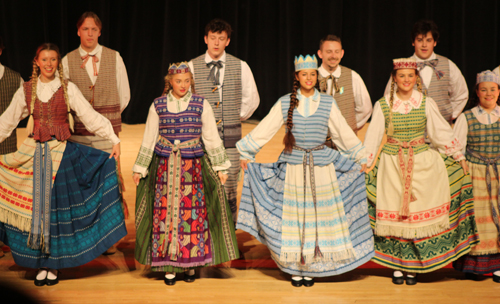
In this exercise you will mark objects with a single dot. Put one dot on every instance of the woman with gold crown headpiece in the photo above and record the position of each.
(60, 205)
(183, 219)
(479, 130)
(308, 208)
(419, 227)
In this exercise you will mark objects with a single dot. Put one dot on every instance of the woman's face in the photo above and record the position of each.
(47, 61)
(307, 79)
(487, 92)
(180, 84)
(405, 79)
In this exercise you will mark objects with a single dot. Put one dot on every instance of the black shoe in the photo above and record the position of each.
(411, 280)
(496, 279)
(398, 280)
(189, 278)
(308, 283)
(471, 276)
(54, 281)
(43, 281)
(298, 283)
(170, 282)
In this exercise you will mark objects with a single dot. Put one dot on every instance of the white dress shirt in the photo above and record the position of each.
(362, 101)
(2, 71)
(121, 73)
(18, 110)
(459, 93)
(249, 95)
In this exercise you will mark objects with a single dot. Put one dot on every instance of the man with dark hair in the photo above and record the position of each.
(10, 82)
(228, 84)
(344, 84)
(441, 78)
(102, 70)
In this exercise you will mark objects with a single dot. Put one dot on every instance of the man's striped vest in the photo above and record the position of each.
(103, 95)
(345, 98)
(228, 110)
(9, 84)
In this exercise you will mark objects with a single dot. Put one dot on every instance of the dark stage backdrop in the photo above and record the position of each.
(267, 34)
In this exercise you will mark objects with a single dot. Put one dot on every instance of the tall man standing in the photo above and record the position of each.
(228, 84)
(344, 84)
(441, 78)
(100, 74)
(10, 82)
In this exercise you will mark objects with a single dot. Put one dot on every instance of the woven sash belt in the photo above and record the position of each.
(173, 188)
(406, 171)
(493, 163)
(307, 153)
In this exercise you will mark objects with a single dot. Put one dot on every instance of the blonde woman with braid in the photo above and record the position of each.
(421, 203)
(309, 208)
(60, 204)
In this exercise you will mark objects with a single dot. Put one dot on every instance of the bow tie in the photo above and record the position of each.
(213, 77)
(95, 60)
(432, 64)
(335, 84)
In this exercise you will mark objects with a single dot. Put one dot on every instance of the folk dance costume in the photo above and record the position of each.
(60, 205)
(420, 202)
(350, 94)
(183, 220)
(102, 78)
(444, 83)
(10, 81)
(322, 230)
(480, 131)
(230, 88)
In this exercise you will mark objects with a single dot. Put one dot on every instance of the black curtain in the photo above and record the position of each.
(267, 34)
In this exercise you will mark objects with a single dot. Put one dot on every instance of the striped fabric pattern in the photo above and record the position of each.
(103, 94)
(431, 253)
(406, 127)
(9, 84)
(345, 98)
(182, 126)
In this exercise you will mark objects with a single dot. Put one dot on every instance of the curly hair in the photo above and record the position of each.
(218, 26)
(168, 86)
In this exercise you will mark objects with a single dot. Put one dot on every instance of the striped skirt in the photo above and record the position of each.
(430, 253)
(86, 216)
(261, 214)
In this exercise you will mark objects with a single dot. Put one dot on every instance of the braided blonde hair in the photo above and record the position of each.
(168, 86)
(34, 82)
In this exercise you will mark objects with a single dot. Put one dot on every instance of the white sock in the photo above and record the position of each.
(497, 273)
(170, 276)
(411, 275)
(308, 278)
(190, 272)
(42, 274)
(397, 274)
(297, 278)
(52, 274)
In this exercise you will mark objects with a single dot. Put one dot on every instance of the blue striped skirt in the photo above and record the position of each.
(86, 216)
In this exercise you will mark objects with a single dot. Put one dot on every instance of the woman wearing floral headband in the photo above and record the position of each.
(308, 208)
(479, 130)
(419, 227)
(183, 219)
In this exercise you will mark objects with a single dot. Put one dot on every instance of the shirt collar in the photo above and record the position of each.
(54, 85)
(209, 59)
(325, 73)
(418, 59)
(496, 111)
(414, 101)
(185, 98)
(2, 70)
(314, 97)
(96, 51)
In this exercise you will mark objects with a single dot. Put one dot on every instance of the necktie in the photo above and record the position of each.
(95, 60)
(214, 77)
(432, 64)
(334, 84)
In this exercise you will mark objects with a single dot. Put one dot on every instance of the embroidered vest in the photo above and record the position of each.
(482, 139)
(182, 126)
(9, 84)
(50, 118)
(438, 88)
(103, 95)
(406, 127)
(345, 98)
(310, 132)
(228, 110)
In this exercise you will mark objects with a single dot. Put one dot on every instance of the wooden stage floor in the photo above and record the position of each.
(120, 279)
